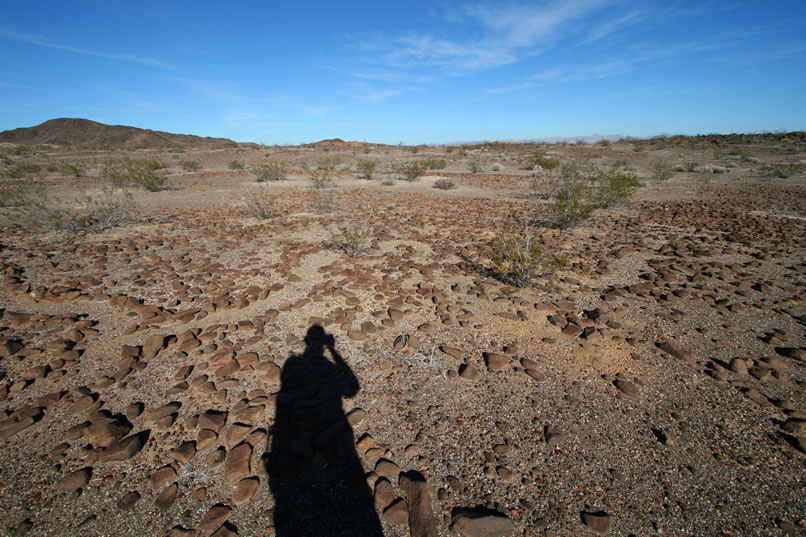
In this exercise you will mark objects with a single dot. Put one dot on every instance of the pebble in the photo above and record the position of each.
(397, 513)
(627, 387)
(245, 490)
(422, 522)
(599, 523)
(215, 517)
(468, 522)
(75, 480)
(167, 497)
(236, 465)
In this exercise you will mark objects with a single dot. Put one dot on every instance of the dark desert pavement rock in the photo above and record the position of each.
(422, 522)
(216, 516)
(481, 523)
(676, 351)
(599, 523)
(397, 513)
(75, 480)
(627, 387)
(125, 449)
(236, 465)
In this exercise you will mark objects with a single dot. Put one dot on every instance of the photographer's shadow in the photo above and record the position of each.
(315, 475)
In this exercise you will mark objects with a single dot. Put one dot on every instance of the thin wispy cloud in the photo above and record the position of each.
(43, 42)
(619, 65)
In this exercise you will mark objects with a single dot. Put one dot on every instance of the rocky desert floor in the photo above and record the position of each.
(200, 371)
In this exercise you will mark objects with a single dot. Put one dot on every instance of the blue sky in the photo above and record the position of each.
(409, 71)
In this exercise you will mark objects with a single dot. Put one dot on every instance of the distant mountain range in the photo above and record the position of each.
(85, 133)
(592, 139)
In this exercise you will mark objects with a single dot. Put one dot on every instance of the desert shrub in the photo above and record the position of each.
(414, 149)
(236, 165)
(580, 190)
(444, 184)
(478, 165)
(387, 182)
(320, 200)
(327, 164)
(620, 163)
(321, 179)
(436, 164)
(12, 195)
(87, 214)
(352, 238)
(572, 204)
(660, 171)
(366, 168)
(260, 203)
(692, 166)
(147, 174)
(604, 143)
(540, 159)
(270, 171)
(614, 187)
(497, 167)
(21, 169)
(67, 168)
(20, 149)
(190, 165)
(409, 171)
(785, 170)
(518, 260)
(710, 169)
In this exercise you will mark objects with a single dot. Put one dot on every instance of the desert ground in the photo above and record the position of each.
(197, 370)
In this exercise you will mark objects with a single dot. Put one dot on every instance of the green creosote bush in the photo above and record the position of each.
(660, 171)
(692, 166)
(328, 164)
(444, 184)
(581, 190)
(519, 261)
(20, 149)
(436, 164)
(614, 187)
(88, 214)
(620, 163)
(270, 171)
(260, 203)
(148, 175)
(236, 165)
(478, 165)
(190, 165)
(321, 179)
(352, 238)
(540, 159)
(409, 171)
(366, 168)
(67, 168)
(21, 169)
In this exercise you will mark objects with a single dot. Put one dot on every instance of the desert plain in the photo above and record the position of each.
(654, 385)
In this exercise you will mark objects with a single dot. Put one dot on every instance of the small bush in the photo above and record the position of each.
(236, 165)
(328, 164)
(12, 195)
(260, 203)
(147, 175)
(20, 149)
(614, 188)
(21, 169)
(351, 238)
(320, 200)
(784, 171)
(436, 164)
(190, 165)
(660, 171)
(366, 168)
(270, 171)
(572, 204)
(620, 163)
(410, 171)
(387, 182)
(88, 214)
(540, 159)
(67, 168)
(518, 259)
(478, 165)
(692, 166)
(321, 179)
(497, 167)
(444, 184)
